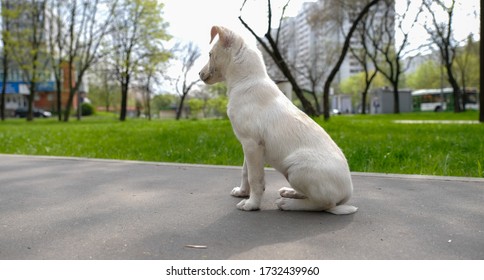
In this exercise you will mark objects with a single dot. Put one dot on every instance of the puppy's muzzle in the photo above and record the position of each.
(204, 76)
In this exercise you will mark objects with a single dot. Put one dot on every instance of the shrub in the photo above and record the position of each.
(87, 109)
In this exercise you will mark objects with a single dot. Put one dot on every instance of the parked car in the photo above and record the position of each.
(38, 113)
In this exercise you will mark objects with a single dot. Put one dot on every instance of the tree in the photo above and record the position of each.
(361, 54)
(481, 73)
(442, 35)
(103, 86)
(86, 25)
(8, 14)
(465, 67)
(56, 45)
(189, 54)
(271, 46)
(346, 45)
(387, 55)
(314, 70)
(427, 75)
(163, 101)
(196, 106)
(148, 75)
(138, 31)
(219, 106)
(25, 45)
(353, 84)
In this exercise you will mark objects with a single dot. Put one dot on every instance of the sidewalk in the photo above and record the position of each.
(69, 208)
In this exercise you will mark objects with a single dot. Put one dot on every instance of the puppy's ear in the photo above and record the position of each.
(226, 36)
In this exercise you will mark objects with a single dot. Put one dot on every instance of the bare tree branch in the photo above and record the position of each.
(271, 47)
(190, 53)
(442, 36)
(346, 45)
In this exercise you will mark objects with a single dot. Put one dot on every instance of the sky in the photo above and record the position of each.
(191, 20)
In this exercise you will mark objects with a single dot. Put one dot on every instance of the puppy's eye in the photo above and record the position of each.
(210, 54)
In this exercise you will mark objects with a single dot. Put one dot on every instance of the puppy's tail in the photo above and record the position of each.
(342, 209)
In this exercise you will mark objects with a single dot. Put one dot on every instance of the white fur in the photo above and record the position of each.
(272, 130)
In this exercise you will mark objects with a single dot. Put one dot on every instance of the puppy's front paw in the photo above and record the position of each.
(248, 205)
(238, 192)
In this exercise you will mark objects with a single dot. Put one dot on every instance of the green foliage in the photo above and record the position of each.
(138, 34)
(105, 95)
(355, 84)
(428, 75)
(196, 107)
(371, 143)
(87, 109)
(219, 106)
(163, 101)
(466, 64)
(431, 74)
(218, 89)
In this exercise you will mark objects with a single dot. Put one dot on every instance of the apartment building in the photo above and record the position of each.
(18, 83)
(312, 41)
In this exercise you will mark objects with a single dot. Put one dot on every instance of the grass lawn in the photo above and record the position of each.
(372, 143)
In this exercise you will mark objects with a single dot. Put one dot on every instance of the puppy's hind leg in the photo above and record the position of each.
(319, 194)
(244, 189)
(304, 204)
(290, 193)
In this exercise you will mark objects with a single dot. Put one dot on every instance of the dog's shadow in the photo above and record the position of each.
(265, 234)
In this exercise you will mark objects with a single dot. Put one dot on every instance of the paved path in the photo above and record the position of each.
(67, 208)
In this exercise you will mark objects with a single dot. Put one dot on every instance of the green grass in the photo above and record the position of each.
(371, 143)
(377, 144)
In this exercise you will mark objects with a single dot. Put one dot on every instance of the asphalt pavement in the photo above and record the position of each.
(71, 208)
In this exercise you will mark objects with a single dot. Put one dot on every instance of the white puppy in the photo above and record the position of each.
(272, 130)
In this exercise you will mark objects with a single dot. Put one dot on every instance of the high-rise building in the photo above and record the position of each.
(311, 42)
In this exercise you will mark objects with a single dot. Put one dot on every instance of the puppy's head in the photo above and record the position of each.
(220, 56)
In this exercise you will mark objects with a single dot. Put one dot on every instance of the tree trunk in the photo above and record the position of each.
(346, 46)
(396, 100)
(59, 99)
(4, 89)
(124, 100)
(4, 77)
(79, 105)
(148, 104)
(364, 94)
(30, 115)
(481, 74)
(72, 90)
(363, 102)
(315, 97)
(69, 104)
(463, 93)
(2, 101)
(180, 106)
(281, 63)
(72, 93)
(455, 87)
